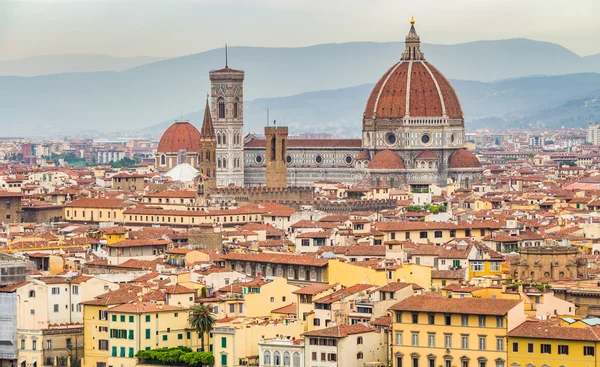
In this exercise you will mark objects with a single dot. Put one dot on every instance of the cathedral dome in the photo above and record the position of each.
(462, 158)
(412, 88)
(180, 136)
(386, 159)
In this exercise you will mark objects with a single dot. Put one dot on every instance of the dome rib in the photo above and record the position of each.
(180, 135)
(386, 159)
(462, 158)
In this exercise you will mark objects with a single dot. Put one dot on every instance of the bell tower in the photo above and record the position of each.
(227, 101)
(276, 153)
(207, 160)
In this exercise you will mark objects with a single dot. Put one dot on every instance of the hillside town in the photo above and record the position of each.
(418, 244)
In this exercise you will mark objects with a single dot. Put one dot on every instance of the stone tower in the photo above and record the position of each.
(227, 101)
(276, 153)
(207, 159)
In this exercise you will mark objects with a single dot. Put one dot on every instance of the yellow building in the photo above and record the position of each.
(546, 343)
(143, 325)
(236, 342)
(95, 210)
(96, 324)
(436, 232)
(349, 274)
(434, 331)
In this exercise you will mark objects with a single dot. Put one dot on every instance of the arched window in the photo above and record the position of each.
(359, 340)
(163, 160)
(235, 108)
(267, 357)
(208, 172)
(296, 359)
(208, 156)
(276, 359)
(218, 162)
(224, 162)
(286, 359)
(273, 149)
(219, 139)
(221, 107)
(224, 139)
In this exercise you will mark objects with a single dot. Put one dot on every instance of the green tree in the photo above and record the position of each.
(201, 319)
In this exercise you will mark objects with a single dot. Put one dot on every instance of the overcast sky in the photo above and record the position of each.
(178, 27)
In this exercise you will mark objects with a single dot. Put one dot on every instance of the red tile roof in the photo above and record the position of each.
(386, 159)
(476, 306)
(340, 331)
(180, 135)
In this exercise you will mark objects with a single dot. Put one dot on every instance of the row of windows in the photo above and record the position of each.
(416, 318)
(547, 349)
(447, 341)
(122, 353)
(436, 234)
(68, 343)
(134, 218)
(56, 290)
(464, 362)
(277, 359)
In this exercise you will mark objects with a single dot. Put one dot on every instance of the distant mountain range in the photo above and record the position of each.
(142, 96)
(541, 101)
(73, 63)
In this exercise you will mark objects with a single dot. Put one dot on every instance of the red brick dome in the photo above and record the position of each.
(431, 95)
(412, 88)
(462, 158)
(386, 159)
(181, 135)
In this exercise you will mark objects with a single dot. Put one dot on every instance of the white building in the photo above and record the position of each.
(593, 135)
(281, 352)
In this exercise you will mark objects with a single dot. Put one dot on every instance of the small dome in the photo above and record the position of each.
(386, 159)
(181, 135)
(462, 158)
(427, 154)
(183, 172)
(364, 155)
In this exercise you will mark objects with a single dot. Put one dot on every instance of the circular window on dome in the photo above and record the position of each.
(348, 159)
(426, 139)
(319, 159)
(390, 139)
(288, 159)
(259, 159)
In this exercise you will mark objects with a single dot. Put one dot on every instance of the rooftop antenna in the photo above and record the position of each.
(226, 55)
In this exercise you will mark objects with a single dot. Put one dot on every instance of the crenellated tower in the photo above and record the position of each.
(276, 153)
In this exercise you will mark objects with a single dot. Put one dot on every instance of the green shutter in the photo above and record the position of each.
(223, 342)
(165, 337)
(223, 359)
(130, 318)
(114, 317)
(130, 334)
(122, 318)
(147, 318)
(114, 351)
(179, 336)
(131, 354)
(147, 333)
(122, 351)
(188, 335)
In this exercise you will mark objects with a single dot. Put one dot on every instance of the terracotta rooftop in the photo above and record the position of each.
(476, 306)
(339, 331)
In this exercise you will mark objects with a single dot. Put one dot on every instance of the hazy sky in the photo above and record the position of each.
(178, 27)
